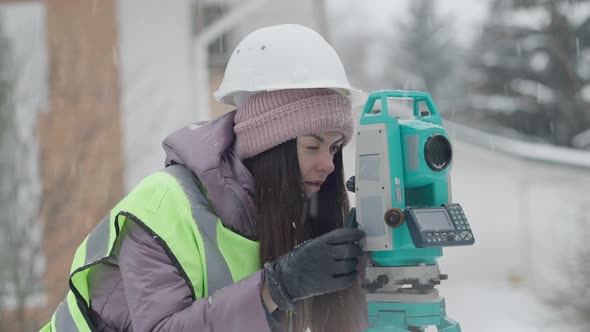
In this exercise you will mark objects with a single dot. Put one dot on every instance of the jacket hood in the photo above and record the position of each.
(206, 148)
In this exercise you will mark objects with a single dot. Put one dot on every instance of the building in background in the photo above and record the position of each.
(309, 13)
(163, 80)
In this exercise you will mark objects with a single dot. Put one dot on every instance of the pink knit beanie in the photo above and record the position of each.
(271, 118)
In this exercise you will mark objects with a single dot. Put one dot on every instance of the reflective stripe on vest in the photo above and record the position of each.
(63, 318)
(71, 314)
(218, 274)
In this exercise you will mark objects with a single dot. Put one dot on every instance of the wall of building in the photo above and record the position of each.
(156, 74)
(157, 79)
(304, 12)
(80, 136)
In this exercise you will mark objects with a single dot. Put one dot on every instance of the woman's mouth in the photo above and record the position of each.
(312, 186)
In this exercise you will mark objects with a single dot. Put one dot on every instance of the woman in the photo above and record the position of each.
(243, 231)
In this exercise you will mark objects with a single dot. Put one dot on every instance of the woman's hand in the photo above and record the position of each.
(322, 265)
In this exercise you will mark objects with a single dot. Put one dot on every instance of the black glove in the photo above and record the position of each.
(322, 265)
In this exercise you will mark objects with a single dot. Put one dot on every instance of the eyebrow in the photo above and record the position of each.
(322, 140)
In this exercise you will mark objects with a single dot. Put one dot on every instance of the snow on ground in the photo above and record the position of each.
(499, 307)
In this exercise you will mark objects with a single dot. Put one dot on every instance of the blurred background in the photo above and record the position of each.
(89, 89)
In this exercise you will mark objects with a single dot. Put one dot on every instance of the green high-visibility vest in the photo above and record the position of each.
(169, 205)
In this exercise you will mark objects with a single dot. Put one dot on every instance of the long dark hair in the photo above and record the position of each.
(286, 218)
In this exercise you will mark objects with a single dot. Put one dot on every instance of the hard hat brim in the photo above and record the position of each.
(357, 97)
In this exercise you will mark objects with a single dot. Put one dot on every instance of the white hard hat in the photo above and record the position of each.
(281, 57)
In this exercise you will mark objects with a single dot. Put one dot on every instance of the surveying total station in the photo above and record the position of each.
(404, 205)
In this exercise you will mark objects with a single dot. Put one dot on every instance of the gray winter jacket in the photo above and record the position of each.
(141, 290)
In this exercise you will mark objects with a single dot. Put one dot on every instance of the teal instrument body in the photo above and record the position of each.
(404, 204)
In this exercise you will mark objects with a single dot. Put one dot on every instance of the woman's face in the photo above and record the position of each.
(316, 157)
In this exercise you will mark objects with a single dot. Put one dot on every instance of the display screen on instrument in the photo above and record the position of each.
(433, 219)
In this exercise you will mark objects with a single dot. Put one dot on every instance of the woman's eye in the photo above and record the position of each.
(335, 149)
(312, 147)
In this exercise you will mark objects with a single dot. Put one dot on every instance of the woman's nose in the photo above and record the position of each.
(326, 163)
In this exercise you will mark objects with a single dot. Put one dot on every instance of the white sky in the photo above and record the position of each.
(377, 15)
